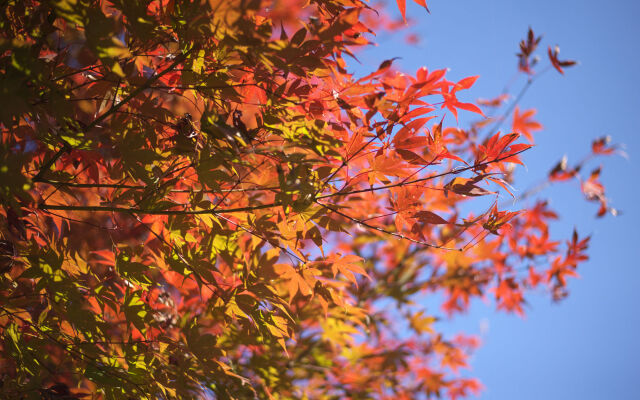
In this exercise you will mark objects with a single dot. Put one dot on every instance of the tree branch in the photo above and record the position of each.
(154, 212)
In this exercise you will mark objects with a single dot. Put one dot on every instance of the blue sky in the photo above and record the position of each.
(588, 346)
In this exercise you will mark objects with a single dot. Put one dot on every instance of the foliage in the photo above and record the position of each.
(200, 201)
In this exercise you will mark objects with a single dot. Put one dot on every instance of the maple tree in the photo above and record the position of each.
(199, 200)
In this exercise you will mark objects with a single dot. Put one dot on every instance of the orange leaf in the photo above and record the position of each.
(402, 6)
(347, 265)
(423, 3)
(428, 217)
(524, 123)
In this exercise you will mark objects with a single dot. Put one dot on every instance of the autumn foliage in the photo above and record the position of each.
(199, 200)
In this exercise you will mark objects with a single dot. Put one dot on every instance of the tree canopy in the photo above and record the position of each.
(199, 200)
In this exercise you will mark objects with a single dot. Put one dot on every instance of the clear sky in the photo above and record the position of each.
(588, 346)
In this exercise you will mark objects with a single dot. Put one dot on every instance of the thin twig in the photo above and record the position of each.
(453, 171)
(398, 235)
